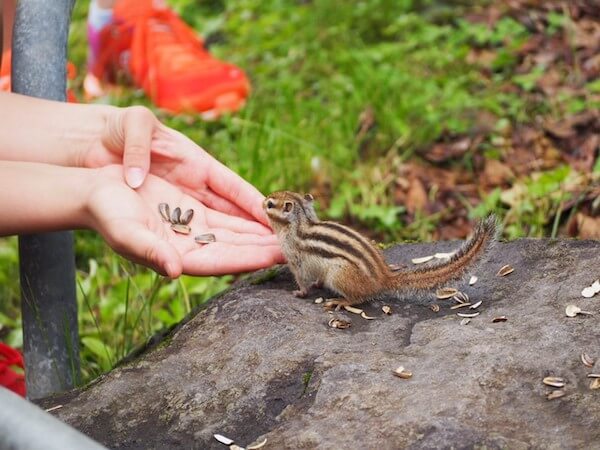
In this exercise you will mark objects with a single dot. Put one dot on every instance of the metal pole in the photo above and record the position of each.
(24, 426)
(47, 261)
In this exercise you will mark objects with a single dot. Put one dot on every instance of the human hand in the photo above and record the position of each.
(130, 222)
(135, 138)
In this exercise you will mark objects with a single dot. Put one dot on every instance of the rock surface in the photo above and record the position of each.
(258, 363)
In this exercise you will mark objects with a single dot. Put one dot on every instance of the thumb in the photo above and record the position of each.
(138, 126)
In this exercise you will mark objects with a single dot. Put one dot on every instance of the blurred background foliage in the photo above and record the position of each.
(405, 118)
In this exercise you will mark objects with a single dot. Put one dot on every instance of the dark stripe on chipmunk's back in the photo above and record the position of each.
(376, 257)
(336, 243)
(327, 254)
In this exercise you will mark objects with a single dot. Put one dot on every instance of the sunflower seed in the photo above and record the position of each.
(446, 292)
(364, 316)
(164, 211)
(386, 309)
(394, 267)
(468, 315)
(476, 305)
(435, 307)
(554, 381)
(588, 292)
(461, 297)
(422, 259)
(339, 323)
(555, 394)
(319, 300)
(505, 270)
(176, 215)
(186, 217)
(261, 444)
(465, 321)
(573, 310)
(593, 375)
(401, 372)
(352, 309)
(206, 238)
(460, 305)
(472, 280)
(587, 360)
(179, 228)
(222, 439)
(499, 319)
(442, 255)
(54, 408)
(596, 286)
(236, 447)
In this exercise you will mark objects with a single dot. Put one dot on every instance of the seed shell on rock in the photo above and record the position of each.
(401, 372)
(339, 323)
(587, 360)
(505, 270)
(186, 217)
(460, 305)
(435, 307)
(353, 310)
(165, 212)
(446, 292)
(386, 309)
(499, 319)
(319, 300)
(261, 444)
(365, 316)
(596, 286)
(588, 292)
(422, 259)
(472, 280)
(461, 297)
(555, 394)
(465, 321)
(468, 315)
(476, 305)
(554, 381)
(176, 215)
(595, 384)
(222, 439)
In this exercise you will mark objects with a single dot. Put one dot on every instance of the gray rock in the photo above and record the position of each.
(258, 363)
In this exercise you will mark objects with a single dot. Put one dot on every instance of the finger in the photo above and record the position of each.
(149, 249)
(234, 188)
(221, 258)
(214, 201)
(216, 219)
(138, 125)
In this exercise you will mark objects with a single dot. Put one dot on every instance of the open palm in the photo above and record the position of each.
(130, 221)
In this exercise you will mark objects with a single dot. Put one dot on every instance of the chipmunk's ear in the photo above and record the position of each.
(287, 206)
(309, 197)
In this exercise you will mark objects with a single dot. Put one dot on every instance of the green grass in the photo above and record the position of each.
(314, 67)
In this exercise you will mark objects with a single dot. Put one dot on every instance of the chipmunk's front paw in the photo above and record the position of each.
(301, 293)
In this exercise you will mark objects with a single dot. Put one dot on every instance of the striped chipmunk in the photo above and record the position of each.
(334, 256)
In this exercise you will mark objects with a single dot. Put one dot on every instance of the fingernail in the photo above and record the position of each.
(171, 270)
(134, 177)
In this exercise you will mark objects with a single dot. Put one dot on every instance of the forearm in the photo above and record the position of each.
(40, 197)
(46, 131)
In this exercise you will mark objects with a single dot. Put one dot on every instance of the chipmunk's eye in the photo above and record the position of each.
(270, 204)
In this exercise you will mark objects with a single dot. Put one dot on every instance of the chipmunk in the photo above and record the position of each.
(323, 253)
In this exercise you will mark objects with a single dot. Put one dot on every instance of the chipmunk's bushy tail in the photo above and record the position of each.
(437, 275)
